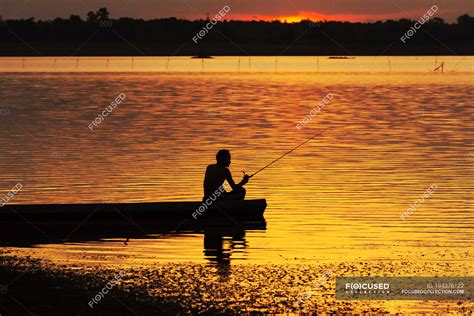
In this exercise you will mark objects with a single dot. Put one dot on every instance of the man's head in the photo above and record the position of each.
(223, 157)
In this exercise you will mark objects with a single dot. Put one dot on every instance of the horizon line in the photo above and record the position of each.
(275, 20)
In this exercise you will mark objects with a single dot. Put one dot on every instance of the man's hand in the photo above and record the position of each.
(245, 179)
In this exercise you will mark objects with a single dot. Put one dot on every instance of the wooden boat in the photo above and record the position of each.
(202, 56)
(26, 233)
(341, 57)
(248, 209)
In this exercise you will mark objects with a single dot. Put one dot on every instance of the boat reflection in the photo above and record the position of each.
(222, 236)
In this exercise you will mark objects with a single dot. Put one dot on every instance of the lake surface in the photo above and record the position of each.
(388, 137)
(242, 64)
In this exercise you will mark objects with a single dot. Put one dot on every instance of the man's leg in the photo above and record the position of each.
(237, 194)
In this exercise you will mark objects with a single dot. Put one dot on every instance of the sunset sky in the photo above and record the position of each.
(290, 10)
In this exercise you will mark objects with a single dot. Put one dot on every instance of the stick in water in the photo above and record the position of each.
(289, 152)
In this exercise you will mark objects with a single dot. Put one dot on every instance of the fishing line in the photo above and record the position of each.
(287, 153)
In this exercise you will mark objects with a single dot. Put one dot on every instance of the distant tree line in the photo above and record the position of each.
(101, 35)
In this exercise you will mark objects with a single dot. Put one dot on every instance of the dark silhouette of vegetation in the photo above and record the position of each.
(100, 35)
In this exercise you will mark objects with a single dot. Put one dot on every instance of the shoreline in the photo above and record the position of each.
(310, 53)
(31, 287)
(190, 289)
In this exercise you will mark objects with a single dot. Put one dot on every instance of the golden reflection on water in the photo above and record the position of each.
(240, 64)
(340, 197)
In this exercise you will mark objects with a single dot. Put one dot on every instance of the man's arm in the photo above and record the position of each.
(232, 183)
(230, 180)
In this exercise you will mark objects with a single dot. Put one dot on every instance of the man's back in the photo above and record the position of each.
(215, 177)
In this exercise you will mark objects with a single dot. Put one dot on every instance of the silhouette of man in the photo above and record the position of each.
(216, 174)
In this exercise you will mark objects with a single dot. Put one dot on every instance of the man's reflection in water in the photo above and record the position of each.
(218, 248)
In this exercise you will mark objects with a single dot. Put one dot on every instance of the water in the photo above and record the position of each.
(388, 138)
(244, 64)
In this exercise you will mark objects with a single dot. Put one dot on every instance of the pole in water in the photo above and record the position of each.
(287, 153)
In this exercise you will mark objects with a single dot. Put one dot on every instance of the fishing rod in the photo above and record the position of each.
(286, 154)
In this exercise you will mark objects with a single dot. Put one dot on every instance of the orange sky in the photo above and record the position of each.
(290, 10)
(316, 17)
